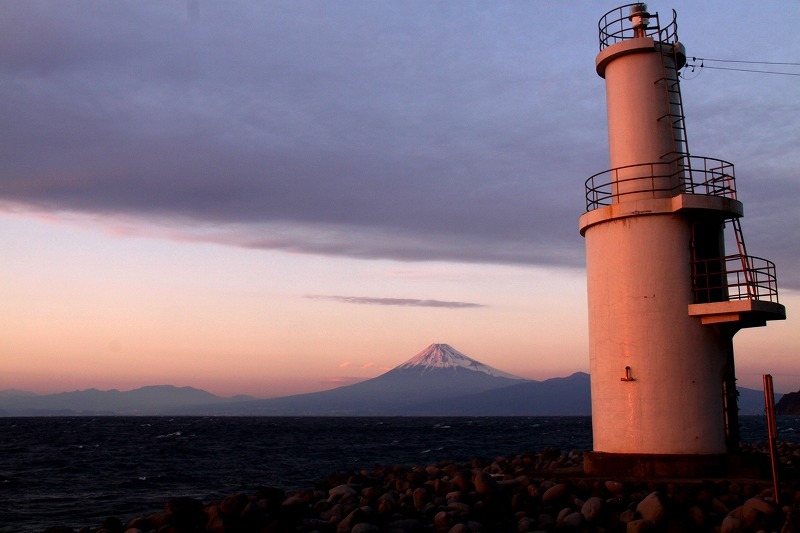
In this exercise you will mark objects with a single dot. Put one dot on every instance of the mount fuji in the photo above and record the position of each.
(444, 357)
(439, 380)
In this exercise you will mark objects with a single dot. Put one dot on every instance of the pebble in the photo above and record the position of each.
(522, 493)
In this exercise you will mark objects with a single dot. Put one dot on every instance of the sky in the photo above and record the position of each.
(276, 197)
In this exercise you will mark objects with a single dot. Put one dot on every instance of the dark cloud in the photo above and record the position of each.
(402, 302)
(411, 131)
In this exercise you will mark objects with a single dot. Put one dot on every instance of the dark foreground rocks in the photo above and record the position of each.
(530, 492)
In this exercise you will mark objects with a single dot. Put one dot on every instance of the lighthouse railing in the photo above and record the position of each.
(615, 26)
(683, 175)
(734, 277)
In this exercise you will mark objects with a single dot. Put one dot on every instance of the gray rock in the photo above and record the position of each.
(295, 500)
(635, 526)
(628, 515)
(342, 491)
(652, 507)
(747, 516)
(546, 521)
(358, 516)
(441, 520)
(525, 524)
(757, 504)
(592, 508)
(485, 484)
(718, 507)
(420, 497)
(554, 494)
(731, 524)
(234, 504)
(406, 524)
(562, 514)
(364, 527)
(697, 516)
(573, 520)
(459, 508)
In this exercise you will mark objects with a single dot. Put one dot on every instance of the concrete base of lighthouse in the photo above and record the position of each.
(641, 465)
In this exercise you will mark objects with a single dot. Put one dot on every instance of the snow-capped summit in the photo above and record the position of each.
(444, 356)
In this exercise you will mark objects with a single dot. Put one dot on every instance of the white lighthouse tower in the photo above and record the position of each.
(665, 298)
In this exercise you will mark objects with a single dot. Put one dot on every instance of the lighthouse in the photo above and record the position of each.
(665, 296)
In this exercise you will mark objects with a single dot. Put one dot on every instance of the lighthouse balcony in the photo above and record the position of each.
(681, 183)
(739, 290)
(665, 179)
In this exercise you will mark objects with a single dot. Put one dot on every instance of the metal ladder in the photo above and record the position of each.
(747, 267)
(677, 118)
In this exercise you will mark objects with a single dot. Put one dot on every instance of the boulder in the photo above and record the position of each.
(573, 521)
(406, 524)
(158, 520)
(635, 526)
(628, 515)
(562, 514)
(592, 508)
(365, 527)
(420, 497)
(296, 500)
(697, 516)
(546, 521)
(459, 508)
(463, 483)
(342, 491)
(761, 506)
(554, 494)
(485, 484)
(234, 504)
(732, 524)
(525, 524)
(652, 507)
(358, 516)
(219, 524)
(718, 507)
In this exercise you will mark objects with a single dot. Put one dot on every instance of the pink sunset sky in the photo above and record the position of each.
(290, 196)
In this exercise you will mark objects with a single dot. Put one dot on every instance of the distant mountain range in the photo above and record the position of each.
(439, 380)
(152, 400)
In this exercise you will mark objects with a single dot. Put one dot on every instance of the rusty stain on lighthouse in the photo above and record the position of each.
(665, 297)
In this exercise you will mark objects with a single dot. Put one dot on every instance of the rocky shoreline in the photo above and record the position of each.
(544, 491)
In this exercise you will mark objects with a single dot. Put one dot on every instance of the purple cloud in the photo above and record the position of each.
(402, 302)
(414, 132)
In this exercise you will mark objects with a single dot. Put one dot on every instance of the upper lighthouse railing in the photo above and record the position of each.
(683, 175)
(616, 26)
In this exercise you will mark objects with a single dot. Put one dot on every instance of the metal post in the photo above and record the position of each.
(769, 401)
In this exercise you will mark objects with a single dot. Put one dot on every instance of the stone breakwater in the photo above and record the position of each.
(530, 492)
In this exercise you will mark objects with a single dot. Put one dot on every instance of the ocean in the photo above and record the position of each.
(76, 471)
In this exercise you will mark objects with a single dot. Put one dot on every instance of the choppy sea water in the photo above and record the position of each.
(76, 471)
